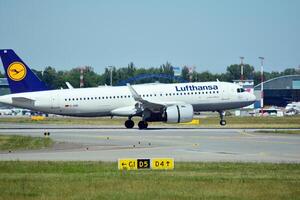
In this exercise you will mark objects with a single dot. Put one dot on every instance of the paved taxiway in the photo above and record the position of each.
(184, 144)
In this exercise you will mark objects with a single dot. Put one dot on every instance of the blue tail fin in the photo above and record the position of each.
(19, 76)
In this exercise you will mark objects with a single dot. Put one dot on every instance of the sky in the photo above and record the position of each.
(209, 35)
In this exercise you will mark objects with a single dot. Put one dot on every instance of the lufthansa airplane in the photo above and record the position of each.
(170, 103)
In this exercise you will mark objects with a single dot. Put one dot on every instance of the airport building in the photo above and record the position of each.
(279, 91)
(3, 88)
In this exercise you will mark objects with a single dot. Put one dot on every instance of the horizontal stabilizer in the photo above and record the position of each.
(22, 99)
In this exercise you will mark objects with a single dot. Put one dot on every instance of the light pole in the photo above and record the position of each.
(262, 85)
(111, 68)
(81, 78)
(242, 68)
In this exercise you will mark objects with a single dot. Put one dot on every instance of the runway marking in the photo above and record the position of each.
(246, 133)
(264, 154)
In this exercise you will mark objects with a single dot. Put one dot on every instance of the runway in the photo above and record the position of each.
(183, 144)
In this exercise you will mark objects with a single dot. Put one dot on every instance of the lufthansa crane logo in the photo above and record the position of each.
(16, 71)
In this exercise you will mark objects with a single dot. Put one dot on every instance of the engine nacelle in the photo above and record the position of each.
(179, 113)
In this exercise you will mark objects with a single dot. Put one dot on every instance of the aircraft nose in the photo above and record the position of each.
(252, 97)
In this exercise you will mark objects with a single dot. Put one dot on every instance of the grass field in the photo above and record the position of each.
(15, 142)
(279, 131)
(97, 180)
(213, 122)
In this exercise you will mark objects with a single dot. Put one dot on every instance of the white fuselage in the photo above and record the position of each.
(104, 100)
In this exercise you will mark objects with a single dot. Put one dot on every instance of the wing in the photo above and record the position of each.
(152, 106)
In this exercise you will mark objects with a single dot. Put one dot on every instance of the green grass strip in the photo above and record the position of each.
(279, 131)
(16, 142)
(99, 180)
(209, 122)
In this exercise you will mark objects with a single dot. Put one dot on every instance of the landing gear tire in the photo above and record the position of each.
(143, 125)
(222, 115)
(222, 122)
(129, 123)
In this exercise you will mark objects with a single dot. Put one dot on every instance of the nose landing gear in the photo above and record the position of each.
(222, 115)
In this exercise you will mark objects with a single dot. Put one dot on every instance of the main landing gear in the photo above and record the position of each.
(143, 125)
(222, 115)
(130, 124)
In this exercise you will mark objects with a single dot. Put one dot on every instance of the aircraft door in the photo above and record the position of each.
(55, 102)
(226, 94)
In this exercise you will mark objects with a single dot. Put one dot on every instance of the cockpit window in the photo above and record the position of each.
(240, 90)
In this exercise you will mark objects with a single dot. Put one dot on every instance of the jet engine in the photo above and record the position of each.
(179, 113)
(171, 114)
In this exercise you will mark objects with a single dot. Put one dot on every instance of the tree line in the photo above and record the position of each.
(56, 78)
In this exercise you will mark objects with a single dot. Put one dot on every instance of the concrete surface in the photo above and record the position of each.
(107, 143)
